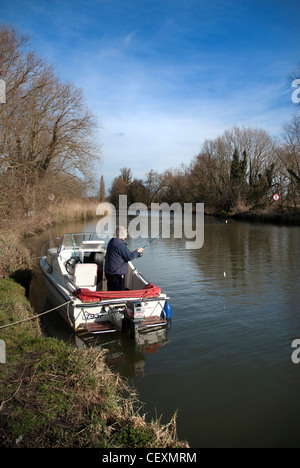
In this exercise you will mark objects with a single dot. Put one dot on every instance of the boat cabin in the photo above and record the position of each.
(81, 259)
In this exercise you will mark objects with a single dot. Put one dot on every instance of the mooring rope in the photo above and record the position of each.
(35, 316)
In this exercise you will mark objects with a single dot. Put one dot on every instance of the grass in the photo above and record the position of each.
(53, 395)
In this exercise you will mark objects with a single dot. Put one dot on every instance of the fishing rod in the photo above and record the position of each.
(155, 238)
(147, 245)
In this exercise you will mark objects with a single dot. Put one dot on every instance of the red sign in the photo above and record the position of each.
(276, 197)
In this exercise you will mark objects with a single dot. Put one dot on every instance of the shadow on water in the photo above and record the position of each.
(125, 355)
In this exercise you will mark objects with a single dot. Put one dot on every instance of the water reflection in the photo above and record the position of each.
(124, 354)
(225, 365)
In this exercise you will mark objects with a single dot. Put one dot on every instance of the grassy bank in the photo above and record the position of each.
(55, 395)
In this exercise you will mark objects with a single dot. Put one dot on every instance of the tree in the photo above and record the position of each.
(238, 167)
(45, 127)
(102, 190)
(137, 192)
(120, 185)
(227, 179)
(154, 183)
(289, 156)
(126, 175)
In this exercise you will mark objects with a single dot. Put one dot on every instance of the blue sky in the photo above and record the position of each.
(164, 75)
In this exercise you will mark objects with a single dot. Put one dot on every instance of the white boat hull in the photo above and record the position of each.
(98, 313)
(78, 314)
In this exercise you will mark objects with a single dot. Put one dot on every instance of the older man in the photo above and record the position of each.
(117, 257)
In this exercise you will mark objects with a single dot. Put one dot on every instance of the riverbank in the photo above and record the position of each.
(281, 215)
(54, 395)
(30, 224)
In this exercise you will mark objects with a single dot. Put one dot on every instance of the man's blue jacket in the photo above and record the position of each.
(117, 257)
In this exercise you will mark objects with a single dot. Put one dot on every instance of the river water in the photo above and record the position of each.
(225, 362)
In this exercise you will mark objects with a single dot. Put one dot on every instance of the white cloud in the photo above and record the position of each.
(156, 104)
(159, 132)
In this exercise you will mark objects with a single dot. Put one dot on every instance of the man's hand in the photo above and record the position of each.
(140, 251)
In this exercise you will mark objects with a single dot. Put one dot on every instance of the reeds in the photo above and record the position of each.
(74, 210)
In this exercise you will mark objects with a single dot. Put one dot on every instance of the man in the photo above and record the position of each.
(117, 257)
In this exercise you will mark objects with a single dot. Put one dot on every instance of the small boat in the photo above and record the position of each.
(73, 270)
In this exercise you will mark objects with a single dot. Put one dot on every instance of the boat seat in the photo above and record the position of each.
(85, 275)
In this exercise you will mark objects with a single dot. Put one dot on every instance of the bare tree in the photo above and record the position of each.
(236, 167)
(46, 128)
(289, 156)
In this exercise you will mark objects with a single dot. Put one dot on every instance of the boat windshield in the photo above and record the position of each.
(81, 240)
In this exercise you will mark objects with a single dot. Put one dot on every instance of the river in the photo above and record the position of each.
(225, 363)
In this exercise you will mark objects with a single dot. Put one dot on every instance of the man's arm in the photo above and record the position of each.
(127, 255)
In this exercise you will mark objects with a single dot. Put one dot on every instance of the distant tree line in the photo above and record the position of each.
(47, 148)
(46, 145)
(241, 169)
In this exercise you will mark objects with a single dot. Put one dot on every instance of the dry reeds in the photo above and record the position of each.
(61, 397)
(74, 210)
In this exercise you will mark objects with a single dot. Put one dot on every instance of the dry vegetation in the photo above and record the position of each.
(75, 210)
(13, 256)
(47, 137)
(54, 395)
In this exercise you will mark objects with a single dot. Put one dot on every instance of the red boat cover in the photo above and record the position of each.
(85, 295)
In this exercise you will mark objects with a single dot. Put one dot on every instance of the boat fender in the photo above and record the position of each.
(167, 312)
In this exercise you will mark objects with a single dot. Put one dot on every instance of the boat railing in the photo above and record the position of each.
(50, 244)
(81, 240)
(71, 286)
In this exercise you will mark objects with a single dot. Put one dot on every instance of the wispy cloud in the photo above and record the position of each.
(164, 76)
(128, 39)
